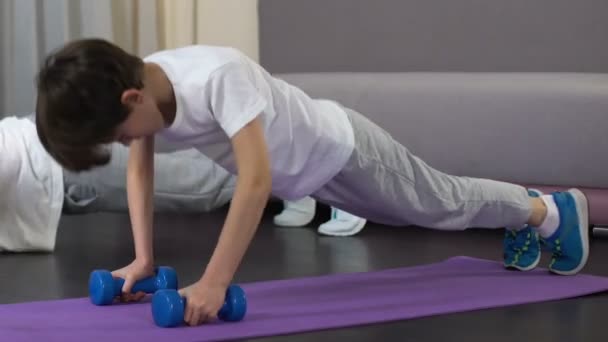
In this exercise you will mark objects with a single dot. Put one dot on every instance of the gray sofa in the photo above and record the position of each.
(509, 90)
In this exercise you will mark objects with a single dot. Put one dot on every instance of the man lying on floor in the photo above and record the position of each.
(35, 190)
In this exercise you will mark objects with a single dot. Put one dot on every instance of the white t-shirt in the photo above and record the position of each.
(220, 90)
(31, 189)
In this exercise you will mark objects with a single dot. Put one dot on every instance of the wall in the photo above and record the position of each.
(230, 22)
(215, 22)
(29, 29)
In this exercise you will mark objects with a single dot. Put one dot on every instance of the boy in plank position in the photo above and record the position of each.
(278, 141)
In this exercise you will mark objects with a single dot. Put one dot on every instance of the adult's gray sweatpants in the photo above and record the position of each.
(184, 181)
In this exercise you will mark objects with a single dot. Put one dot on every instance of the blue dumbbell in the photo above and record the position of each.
(168, 307)
(103, 288)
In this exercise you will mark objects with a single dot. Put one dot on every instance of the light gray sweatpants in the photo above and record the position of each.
(184, 181)
(386, 183)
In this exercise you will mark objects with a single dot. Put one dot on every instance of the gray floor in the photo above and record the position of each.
(185, 242)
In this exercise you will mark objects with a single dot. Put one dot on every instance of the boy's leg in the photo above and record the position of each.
(384, 182)
(184, 181)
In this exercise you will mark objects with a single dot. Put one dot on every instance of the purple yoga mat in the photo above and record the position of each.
(297, 305)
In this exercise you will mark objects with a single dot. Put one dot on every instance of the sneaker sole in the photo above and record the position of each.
(292, 223)
(524, 269)
(351, 232)
(582, 210)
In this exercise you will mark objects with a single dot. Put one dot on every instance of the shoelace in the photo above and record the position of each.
(515, 239)
(556, 247)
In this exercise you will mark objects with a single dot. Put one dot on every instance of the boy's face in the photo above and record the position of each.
(144, 119)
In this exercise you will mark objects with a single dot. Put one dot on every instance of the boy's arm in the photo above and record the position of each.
(253, 188)
(140, 187)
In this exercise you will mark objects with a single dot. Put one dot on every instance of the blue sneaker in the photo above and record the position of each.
(570, 242)
(522, 247)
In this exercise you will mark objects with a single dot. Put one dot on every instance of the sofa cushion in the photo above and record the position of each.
(528, 128)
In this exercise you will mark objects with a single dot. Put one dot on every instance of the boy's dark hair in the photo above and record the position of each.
(79, 100)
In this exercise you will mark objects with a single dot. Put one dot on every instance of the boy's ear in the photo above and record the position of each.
(131, 97)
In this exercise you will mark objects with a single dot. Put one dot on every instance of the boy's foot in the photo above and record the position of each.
(522, 247)
(296, 213)
(342, 224)
(570, 242)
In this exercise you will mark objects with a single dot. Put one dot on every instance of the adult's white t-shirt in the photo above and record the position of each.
(31, 189)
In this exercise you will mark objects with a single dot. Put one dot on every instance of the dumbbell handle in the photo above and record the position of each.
(168, 307)
(222, 311)
(104, 288)
(147, 285)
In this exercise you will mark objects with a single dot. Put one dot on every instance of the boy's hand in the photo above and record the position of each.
(203, 301)
(131, 273)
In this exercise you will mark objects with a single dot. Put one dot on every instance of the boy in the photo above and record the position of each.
(280, 141)
(35, 190)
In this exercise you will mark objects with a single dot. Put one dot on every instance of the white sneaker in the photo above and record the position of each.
(342, 224)
(297, 213)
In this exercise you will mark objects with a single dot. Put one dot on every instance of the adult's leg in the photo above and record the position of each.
(184, 181)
